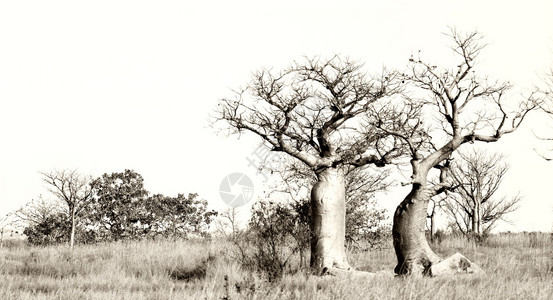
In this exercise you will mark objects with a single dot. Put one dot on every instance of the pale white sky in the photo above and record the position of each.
(106, 85)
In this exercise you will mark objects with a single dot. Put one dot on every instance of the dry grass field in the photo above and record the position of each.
(518, 266)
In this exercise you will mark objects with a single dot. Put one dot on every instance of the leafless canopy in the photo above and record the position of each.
(314, 111)
(70, 187)
(547, 91)
(73, 189)
(448, 107)
(547, 107)
(37, 211)
(472, 206)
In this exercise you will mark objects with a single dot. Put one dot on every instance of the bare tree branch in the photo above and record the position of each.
(37, 211)
(305, 110)
(478, 177)
(71, 188)
(442, 109)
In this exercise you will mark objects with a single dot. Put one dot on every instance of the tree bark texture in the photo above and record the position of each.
(72, 237)
(474, 221)
(432, 227)
(479, 218)
(413, 253)
(328, 220)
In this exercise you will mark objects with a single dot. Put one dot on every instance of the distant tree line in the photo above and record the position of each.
(111, 207)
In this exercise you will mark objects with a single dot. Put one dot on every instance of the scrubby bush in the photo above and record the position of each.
(276, 233)
(177, 217)
(52, 230)
(279, 234)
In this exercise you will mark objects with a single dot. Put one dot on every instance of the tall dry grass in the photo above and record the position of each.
(518, 266)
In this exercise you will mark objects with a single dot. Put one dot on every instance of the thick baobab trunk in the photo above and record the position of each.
(414, 255)
(328, 221)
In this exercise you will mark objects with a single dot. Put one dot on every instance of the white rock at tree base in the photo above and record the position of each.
(455, 264)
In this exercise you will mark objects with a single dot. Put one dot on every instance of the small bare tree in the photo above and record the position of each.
(7, 226)
(476, 178)
(446, 108)
(436, 203)
(314, 111)
(37, 211)
(73, 189)
(228, 219)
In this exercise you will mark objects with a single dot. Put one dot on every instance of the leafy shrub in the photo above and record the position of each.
(52, 230)
(177, 217)
(56, 229)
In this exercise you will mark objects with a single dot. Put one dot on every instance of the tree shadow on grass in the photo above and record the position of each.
(188, 273)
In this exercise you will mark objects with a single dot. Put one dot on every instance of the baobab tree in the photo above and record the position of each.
(363, 217)
(444, 109)
(73, 189)
(314, 111)
(476, 177)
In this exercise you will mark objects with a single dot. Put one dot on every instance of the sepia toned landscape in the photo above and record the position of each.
(290, 150)
(519, 266)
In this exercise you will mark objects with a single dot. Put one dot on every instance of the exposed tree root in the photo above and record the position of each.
(454, 265)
